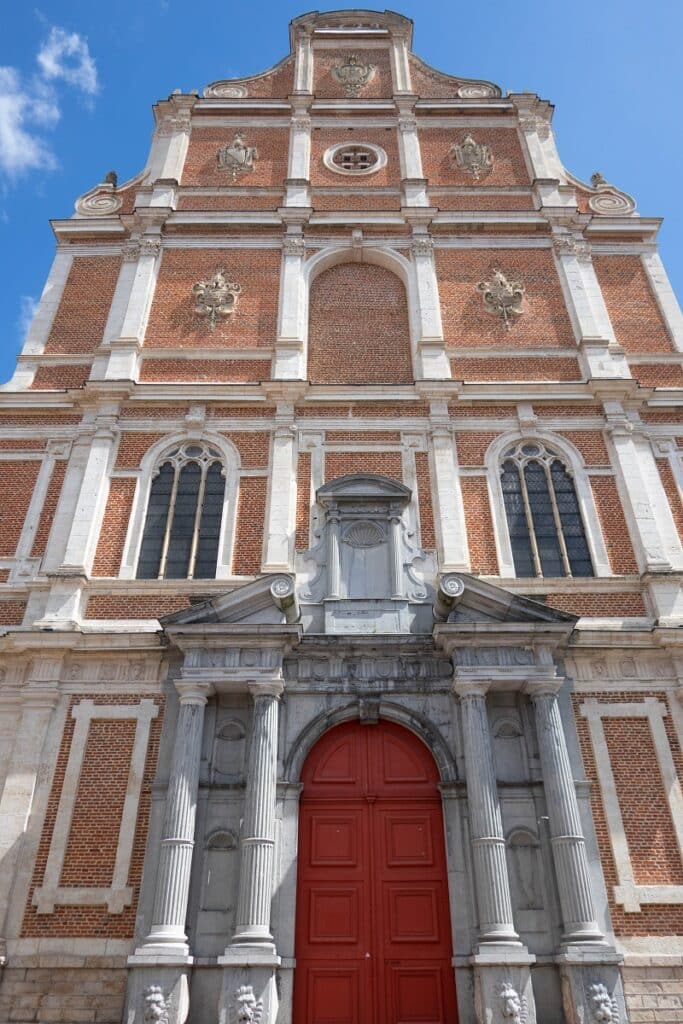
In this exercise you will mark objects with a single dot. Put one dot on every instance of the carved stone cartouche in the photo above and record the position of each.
(353, 75)
(155, 1007)
(473, 157)
(502, 298)
(215, 297)
(237, 158)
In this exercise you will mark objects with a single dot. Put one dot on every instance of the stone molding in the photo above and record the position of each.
(118, 895)
(627, 893)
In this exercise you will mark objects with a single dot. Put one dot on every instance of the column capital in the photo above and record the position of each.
(265, 688)
(193, 691)
(471, 688)
(543, 687)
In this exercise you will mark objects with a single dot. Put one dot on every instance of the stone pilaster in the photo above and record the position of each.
(567, 839)
(289, 358)
(125, 329)
(433, 363)
(449, 511)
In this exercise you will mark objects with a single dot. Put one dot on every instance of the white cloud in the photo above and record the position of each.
(21, 111)
(27, 310)
(66, 56)
(29, 107)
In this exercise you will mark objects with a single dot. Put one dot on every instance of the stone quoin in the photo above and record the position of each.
(341, 622)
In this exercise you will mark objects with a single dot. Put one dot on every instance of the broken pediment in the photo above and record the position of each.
(464, 598)
(269, 600)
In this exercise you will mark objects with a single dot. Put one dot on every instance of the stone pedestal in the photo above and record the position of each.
(502, 985)
(248, 981)
(162, 984)
(592, 986)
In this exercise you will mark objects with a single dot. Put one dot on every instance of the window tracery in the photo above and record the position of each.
(183, 520)
(546, 529)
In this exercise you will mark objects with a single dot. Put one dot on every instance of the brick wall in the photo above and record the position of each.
(428, 82)
(507, 370)
(218, 371)
(61, 376)
(633, 309)
(91, 847)
(671, 489)
(647, 820)
(479, 524)
(343, 463)
(326, 86)
(613, 523)
(173, 322)
(303, 501)
(658, 375)
(114, 527)
(545, 322)
(47, 514)
(358, 327)
(441, 169)
(424, 497)
(249, 529)
(134, 606)
(80, 320)
(201, 163)
(17, 478)
(323, 138)
(277, 83)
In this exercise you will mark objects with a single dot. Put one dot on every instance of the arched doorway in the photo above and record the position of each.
(373, 935)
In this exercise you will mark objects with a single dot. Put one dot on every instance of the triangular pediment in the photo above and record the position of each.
(462, 598)
(269, 600)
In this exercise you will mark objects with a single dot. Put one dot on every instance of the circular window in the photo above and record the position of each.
(355, 158)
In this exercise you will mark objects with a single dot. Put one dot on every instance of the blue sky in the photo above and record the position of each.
(77, 81)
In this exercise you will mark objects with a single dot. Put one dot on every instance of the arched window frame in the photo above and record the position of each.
(152, 460)
(574, 463)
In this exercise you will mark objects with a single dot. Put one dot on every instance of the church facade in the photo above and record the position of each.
(340, 572)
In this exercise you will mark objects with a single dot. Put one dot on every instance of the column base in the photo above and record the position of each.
(157, 984)
(591, 982)
(502, 983)
(249, 982)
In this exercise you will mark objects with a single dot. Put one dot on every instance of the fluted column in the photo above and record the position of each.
(258, 839)
(486, 825)
(333, 555)
(177, 844)
(567, 839)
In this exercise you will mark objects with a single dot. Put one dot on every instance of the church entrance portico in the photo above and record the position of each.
(373, 934)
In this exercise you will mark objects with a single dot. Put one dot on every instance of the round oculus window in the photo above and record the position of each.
(355, 158)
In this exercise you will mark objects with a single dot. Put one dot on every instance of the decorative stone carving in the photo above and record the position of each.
(611, 202)
(150, 247)
(473, 157)
(301, 123)
(215, 297)
(131, 251)
(503, 657)
(100, 201)
(331, 670)
(155, 1007)
(353, 75)
(502, 298)
(568, 245)
(293, 245)
(172, 124)
(477, 91)
(513, 1006)
(422, 246)
(535, 123)
(224, 90)
(246, 1008)
(237, 158)
(603, 1008)
(598, 179)
(364, 535)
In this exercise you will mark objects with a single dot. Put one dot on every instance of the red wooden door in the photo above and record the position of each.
(373, 942)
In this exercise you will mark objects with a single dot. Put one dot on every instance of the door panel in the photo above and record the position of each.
(373, 941)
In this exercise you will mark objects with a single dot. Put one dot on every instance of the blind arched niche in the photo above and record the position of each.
(358, 330)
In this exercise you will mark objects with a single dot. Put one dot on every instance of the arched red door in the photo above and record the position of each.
(373, 942)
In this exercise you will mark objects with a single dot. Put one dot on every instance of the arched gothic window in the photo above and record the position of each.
(547, 534)
(182, 526)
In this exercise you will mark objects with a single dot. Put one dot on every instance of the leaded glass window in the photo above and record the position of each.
(547, 534)
(182, 527)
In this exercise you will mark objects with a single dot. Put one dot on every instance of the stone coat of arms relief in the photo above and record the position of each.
(237, 158)
(353, 75)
